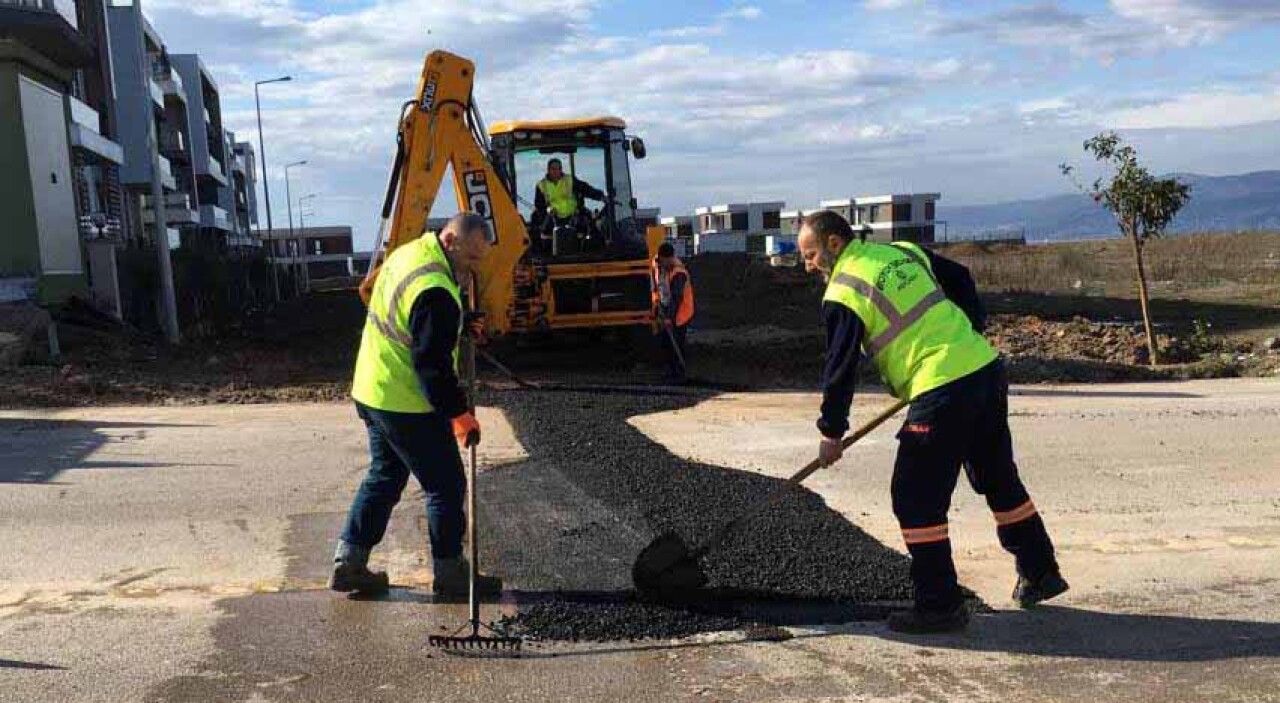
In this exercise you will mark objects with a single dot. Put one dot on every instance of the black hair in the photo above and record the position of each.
(665, 249)
(826, 223)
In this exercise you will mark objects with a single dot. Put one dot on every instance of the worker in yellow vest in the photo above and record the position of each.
(916, 316)
(673, 305)
(558, 199)
(407, 392)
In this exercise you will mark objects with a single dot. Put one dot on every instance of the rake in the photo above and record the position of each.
(475, 640)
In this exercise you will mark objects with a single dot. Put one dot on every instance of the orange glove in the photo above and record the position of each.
(466, 428)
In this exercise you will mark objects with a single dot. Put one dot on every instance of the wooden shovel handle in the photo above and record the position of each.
(808, 470)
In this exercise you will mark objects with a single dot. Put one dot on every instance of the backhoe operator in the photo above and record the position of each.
(917, 317)
(558, 199)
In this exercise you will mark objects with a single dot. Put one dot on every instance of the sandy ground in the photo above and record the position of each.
(179, 554)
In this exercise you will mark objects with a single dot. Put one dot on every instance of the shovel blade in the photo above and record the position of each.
(667, 568)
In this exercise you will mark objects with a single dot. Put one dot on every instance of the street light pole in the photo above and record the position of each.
(288, 201)
(266, 184)
(303, 271)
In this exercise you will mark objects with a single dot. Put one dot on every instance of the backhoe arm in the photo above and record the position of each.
(441, 130)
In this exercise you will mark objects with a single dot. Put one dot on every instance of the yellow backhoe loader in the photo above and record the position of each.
(589, 271)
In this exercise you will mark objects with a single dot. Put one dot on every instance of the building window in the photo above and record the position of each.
(738, 222)
(902, 212)
(873, 214)
(929, 210)
(684, 231)
(772, 219)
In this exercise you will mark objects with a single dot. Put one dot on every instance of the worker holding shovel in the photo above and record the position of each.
(673, 303)
(897, 304)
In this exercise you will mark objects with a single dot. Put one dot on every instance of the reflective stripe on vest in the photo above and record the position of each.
(898, 322)
(385, 378)
(388, 328)
(916, 337)
(559, 195)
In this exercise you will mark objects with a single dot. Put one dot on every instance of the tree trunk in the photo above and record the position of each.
(1142, 294)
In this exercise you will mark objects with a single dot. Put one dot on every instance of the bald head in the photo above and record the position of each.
(465, 240)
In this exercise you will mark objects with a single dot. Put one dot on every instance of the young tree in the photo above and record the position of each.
(1142, 204)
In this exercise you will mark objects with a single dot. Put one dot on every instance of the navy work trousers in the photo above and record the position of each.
(965, 422)
(401, 444)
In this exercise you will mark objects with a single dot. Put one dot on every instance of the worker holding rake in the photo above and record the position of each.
(408, 394)
(913, 314)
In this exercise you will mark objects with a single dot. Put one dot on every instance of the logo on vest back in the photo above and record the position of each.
(902, 278)
(478, 200)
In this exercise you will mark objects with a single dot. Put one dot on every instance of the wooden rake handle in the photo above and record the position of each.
(795, 479)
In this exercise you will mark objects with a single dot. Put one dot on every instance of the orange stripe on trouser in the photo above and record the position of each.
(1018, 514)
(925, 535)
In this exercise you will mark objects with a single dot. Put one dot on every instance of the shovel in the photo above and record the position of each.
(668, 568)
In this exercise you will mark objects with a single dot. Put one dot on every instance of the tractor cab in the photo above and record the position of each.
(592, 155)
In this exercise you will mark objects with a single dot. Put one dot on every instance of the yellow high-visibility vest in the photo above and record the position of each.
(916, 337)
(559, 195)
(385, 378)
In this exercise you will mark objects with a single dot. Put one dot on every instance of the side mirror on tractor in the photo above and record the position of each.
(637, 147)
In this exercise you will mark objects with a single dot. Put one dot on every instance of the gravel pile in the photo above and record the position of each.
(585, 455)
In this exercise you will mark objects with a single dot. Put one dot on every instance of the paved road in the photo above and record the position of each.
(178, 554)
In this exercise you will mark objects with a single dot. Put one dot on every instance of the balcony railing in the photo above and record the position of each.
(215, 167)
(173, 143)
(84, 115)
(157, 93)
(214, 216)
(66, 8)
(166, 174)
(177, 210)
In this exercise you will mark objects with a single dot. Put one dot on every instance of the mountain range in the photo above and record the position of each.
(1247, 201)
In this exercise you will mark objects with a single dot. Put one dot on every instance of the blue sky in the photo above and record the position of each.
(790, 100)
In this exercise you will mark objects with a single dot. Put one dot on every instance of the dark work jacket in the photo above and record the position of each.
(844, 341)
(433, 327)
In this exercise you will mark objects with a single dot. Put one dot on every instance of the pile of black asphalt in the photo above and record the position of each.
(565, 525)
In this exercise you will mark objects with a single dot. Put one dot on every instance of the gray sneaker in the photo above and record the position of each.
(452, 578)
(349, 577)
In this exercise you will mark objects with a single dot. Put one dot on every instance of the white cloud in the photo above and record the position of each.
(1200, 110)
(1189, 21)
(1031, 107)
(744, 12)
(889, 5)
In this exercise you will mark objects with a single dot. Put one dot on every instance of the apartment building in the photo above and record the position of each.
(679, 232)
(209, 152)
(319, 252)
(244, 184)
(736, 227)
(152, 104)
(887, 218)
(57, 144)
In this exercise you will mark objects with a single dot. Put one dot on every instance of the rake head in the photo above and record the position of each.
(476, 642)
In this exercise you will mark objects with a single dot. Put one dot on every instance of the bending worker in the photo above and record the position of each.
(673, 302)
(559, 197)
(898, 304)
(407, 393)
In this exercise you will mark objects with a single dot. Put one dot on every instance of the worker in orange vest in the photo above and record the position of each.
(673, 307)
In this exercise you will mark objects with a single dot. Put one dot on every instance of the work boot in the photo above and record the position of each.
(353, 576)
(1028, 592)
(927, 622)
(452, 577)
